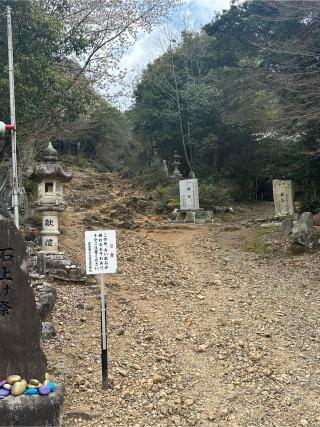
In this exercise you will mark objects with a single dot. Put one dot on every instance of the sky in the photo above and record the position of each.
(149, 46)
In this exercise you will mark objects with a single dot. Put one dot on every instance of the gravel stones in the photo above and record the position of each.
(238, 379)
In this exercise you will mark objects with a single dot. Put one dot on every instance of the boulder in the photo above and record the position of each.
(48, 331)
(307, 238)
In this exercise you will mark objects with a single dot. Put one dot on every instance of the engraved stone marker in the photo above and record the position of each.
(20, 326)
(283, 197)
(189, 194)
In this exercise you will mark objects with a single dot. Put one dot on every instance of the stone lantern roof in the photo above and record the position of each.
(50, 167)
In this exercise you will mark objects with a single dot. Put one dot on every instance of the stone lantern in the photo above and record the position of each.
(50, 176)
(176, 163)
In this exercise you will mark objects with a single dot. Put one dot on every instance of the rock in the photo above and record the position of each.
(4, 392)
(52, 387)
(44, 390)
(18, 388)
(176, 420)
(122, 372)
(212, 416)
(287, 226)
(180, 337)
(45, 305)
(28, 410)
(305, 221)
(202, 348)
(13, 379)
(32, 390)
(34, 382)
(7, 386)
(48, 331)
(189, 402)
(156, 379)
(308, 238)
(32, 386)
(2, 383)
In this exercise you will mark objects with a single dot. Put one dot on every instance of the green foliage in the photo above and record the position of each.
(212, 194)
(258, 244)
(167, 198)
(29, 186)
(153, 175)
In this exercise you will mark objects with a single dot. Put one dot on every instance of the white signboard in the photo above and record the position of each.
(101, 252)
(283, 197)
(189, 194)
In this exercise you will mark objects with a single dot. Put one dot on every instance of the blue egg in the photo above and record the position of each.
(52, 387)
(32, 391)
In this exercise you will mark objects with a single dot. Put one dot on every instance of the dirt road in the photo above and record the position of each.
(211, 325)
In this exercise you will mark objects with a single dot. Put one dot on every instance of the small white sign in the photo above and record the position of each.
(189, 194)
(101, 252)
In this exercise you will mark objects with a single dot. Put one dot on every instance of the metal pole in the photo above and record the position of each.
(104, 348)
(15, 186)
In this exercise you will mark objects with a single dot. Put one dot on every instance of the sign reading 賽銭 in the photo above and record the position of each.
(101, 252)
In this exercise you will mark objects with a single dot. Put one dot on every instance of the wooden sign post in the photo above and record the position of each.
(101, 258)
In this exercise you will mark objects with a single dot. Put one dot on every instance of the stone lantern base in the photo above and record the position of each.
(191, 216)
(33, 410)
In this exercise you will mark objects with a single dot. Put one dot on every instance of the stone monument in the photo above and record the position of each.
(50, 176)
(165, 168)
(283, 197)
(20, 350)
(190, 211)
(20, 325)
(189, 194)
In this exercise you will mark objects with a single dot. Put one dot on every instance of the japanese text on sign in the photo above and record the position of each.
(6, 260)
(101, 252)
(189, 194)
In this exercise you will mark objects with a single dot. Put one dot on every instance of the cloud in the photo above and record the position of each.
(150, 46)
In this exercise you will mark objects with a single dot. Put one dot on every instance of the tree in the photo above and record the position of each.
(283, 39)
(97, 32)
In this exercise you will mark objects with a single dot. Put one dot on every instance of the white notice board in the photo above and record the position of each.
(101, 252)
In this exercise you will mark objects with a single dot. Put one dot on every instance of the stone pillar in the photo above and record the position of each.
(189, 194)
(50, 232)
(283, 197)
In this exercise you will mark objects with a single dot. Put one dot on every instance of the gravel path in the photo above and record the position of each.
(201, 331)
